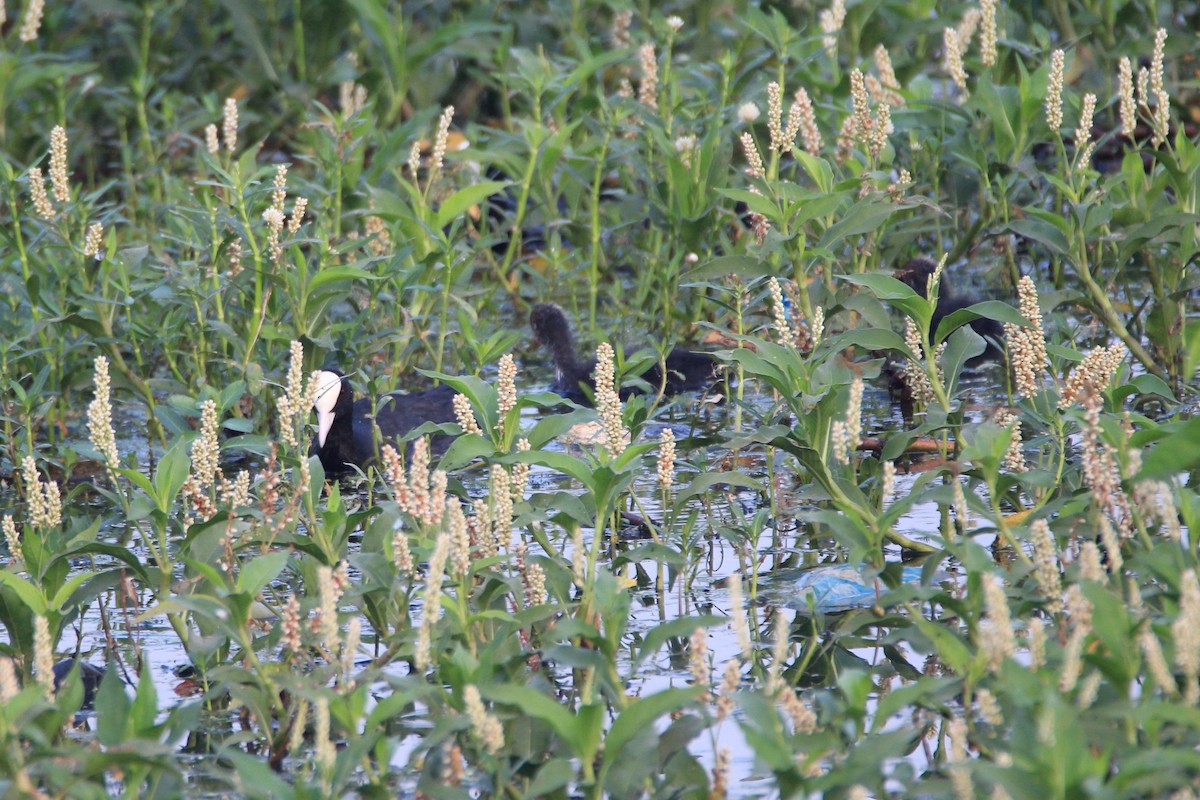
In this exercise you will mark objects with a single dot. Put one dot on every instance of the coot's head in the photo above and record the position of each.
(916, 273)
(333, 399)
(549, 323)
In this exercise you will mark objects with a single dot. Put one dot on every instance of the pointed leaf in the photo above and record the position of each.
(259, 571)
(464, 198)
(112, 709)
(144, 709)
(569, 726)
(988, 309)
(639, 718)
(334, 275)
(171, 474)
(30, 595)
(963, 345)
(743, 266)
(701, 483)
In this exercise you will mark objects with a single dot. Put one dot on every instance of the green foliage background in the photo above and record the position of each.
(1061, 662)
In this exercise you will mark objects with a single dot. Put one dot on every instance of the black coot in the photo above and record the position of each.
(687, 370)
(345, 437)
(916, 275)
(89, 674)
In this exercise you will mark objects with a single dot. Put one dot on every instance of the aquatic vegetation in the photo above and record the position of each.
(774, 584)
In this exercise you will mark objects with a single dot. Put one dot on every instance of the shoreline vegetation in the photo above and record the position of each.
(859, 564)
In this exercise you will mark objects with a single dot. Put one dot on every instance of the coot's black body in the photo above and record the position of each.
(345, 428)
(916, 275)
(89, 675)
(686, 370)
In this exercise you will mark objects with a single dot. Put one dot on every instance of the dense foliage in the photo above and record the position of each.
(203, 201)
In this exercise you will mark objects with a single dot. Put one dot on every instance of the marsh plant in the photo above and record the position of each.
(212, 201)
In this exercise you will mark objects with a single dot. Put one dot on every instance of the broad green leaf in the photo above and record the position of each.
(1042, 232)
(465, 449)
(988, 99)
(259, 571)
(755, 201)
(950, 649)
(112, 710)
(570, 727)
(963, 345)
(564, 463)
(870, 339)
(705, 481)
(896, 293)
(988, 309)
(466, 197)
(555, 774)
(333, 275)
(67, 589)
(171, 474)
(30, 595)
(680, 627)
(862, 217)
(1191, 337)
(144, 709)
(745, 267)
(639, 717)
(1180, 452)
(549, 428)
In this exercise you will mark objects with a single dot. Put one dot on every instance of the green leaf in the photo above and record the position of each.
(112, 709)
(1191, 337)
(481, 394)
(247, 31)
(564, 463)
(1179, 453)
(818, 169)
(963, 345)
(1042, 232)
(897, 293)
(988, 100)
(885, 287)
(552, 776)
(139, 480)
(259, 571)
(744, 267)
(950, 649)
(551, 427)
(171, 474)
(570, 727)
(754, 201)
(704, 481)
(988, 309)
(1152, 384)
(680, 627)
(30, 595)
(254, 771)
(640, 717)
(122, 554)
(762, 366)
(860, 218)
(1152, 231)
(67, 589)
(465, 449)
(871, 339)
(89, 326)
(926, 692)
(332, 275)
(464, 198)
(144, 709)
